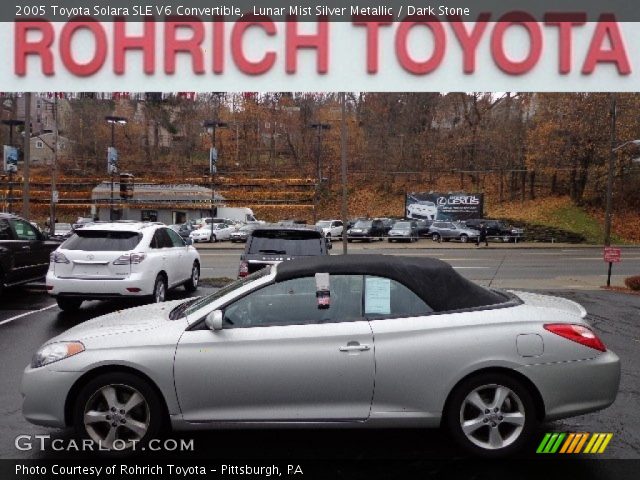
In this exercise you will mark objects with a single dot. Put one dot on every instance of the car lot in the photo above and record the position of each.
(28, 317)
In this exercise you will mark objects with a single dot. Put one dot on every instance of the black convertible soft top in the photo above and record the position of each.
(435, 281)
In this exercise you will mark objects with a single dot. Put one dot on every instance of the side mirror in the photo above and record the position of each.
(213, 321)
(188, 241)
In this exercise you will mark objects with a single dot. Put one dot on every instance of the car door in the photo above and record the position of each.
(31, 255)
(179, 259)
(158, 249)
(280, 357)
(405, 372)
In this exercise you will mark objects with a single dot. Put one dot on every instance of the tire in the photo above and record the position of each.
(213, 239)
(194, 280)
(159, 289)
(464, 238)
(69, 304)
(435, 237)
(506, 239)
(489, 434)
(98, 412)
(389, 240)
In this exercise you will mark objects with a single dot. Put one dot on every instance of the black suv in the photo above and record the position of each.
(272, 245)
(368, 230)
(24, 251)
(496, 229)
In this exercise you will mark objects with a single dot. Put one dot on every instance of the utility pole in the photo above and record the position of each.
(27, 155)
(612, 161)
(11, 123)
(54, 170)
(319, 127)
(343, 161)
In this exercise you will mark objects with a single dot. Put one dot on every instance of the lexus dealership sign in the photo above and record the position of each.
(444, 206)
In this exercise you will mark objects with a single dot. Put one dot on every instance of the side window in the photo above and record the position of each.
(5, 231)
(24, 230)
(176, 240)
(384, 297)
(161, 239)
(294, 302)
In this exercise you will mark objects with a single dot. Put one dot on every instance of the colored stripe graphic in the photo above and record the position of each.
(574, 443)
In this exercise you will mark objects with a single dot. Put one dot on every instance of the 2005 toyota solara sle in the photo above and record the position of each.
(355, 341)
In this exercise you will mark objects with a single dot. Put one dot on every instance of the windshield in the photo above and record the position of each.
(402, 226)
(102, 241)
(362, 224)
(63, 226)
(285, 242)
(193, 305)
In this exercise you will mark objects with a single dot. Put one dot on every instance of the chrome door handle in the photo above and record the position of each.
(355, 348)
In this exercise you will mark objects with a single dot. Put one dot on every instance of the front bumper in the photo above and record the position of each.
(44, 393)
(98, 288)
(576, 387)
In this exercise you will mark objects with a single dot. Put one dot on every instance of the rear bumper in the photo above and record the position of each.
(100, 288)
(577, 387)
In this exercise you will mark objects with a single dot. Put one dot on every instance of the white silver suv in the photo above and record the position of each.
(121, 259)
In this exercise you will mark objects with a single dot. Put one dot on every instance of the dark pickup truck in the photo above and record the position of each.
(272, 245)
(24, 251)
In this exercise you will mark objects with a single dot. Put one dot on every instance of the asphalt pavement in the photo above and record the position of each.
(28, 318)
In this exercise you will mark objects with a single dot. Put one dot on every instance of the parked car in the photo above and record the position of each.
(121, 259)
(331, 228)
(388, 224)
(212, 232)
(398, 342)
(497, 229)
(183, 229)
(63, 230)
(270, 245)
(367, 230)
(423, 227)
(403, 232)
(451, 231)
(422, 209)
(353, 221)
(24, 251)
(241, 235)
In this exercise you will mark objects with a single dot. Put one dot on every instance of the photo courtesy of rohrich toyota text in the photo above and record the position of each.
(320, 240)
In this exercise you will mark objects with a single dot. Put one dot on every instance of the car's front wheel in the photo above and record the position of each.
(194, 280)
(464, 238)
(435, 237)
(118, 411)
(159, 289)
(491, 415)
(69, 304)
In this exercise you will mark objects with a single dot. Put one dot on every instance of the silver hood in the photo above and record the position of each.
(137, 319)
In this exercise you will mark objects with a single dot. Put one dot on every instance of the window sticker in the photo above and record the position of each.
(377, 296)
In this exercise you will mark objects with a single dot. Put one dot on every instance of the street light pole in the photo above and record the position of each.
(113, 120)
(211, 126)
(11, 123)
(52, 209)
(343, 162)
(319, 127)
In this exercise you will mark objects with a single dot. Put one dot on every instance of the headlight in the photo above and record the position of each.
(54, 352)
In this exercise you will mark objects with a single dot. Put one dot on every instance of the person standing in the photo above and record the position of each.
(483, 236)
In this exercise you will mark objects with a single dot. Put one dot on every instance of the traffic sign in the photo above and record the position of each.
(612, 255)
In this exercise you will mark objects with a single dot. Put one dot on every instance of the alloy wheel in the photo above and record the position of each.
(492, 416)
(195, 276)
(116, 413)
(160, 290)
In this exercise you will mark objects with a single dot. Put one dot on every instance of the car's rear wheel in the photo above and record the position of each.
(464, 238)
(194, 280)
(491, 415)
(69, 304)
(160, 289)
(435, 237)
(118, 411)
(506, 239)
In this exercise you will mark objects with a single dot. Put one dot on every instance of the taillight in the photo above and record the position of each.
(57, 257)
(577, 333)
(130, 258)
(244, 269)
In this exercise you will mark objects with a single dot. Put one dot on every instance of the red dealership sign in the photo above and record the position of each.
(612, 255)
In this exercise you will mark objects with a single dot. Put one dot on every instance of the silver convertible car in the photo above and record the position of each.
(355, 341)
